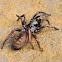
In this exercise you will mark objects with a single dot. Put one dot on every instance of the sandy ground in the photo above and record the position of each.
(50, 39)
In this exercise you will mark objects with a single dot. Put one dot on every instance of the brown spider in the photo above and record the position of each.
(25, 34)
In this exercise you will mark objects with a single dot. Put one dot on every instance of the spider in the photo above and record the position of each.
(35, 25)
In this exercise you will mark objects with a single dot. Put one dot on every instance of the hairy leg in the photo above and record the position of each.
(40, 15)
(36, 38)
(17, 29)
(43, 18)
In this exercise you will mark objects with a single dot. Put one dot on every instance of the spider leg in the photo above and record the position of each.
(50, 27)
(44, 20)
(47, 21)
(17, 29)
(38, 13)
(22, 20)
(36, 38)
(29, 37)
(44, 17)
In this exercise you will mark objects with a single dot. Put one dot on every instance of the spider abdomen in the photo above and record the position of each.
(19, 41)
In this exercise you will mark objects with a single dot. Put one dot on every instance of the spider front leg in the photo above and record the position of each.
(23, 20)
(44, 17)
(36, 15)
(30, 38)
(17, 29)
(36, 38)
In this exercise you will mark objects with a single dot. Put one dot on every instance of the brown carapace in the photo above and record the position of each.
(25, 35)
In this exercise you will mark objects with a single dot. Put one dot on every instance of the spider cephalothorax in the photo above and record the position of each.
(25, 34)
